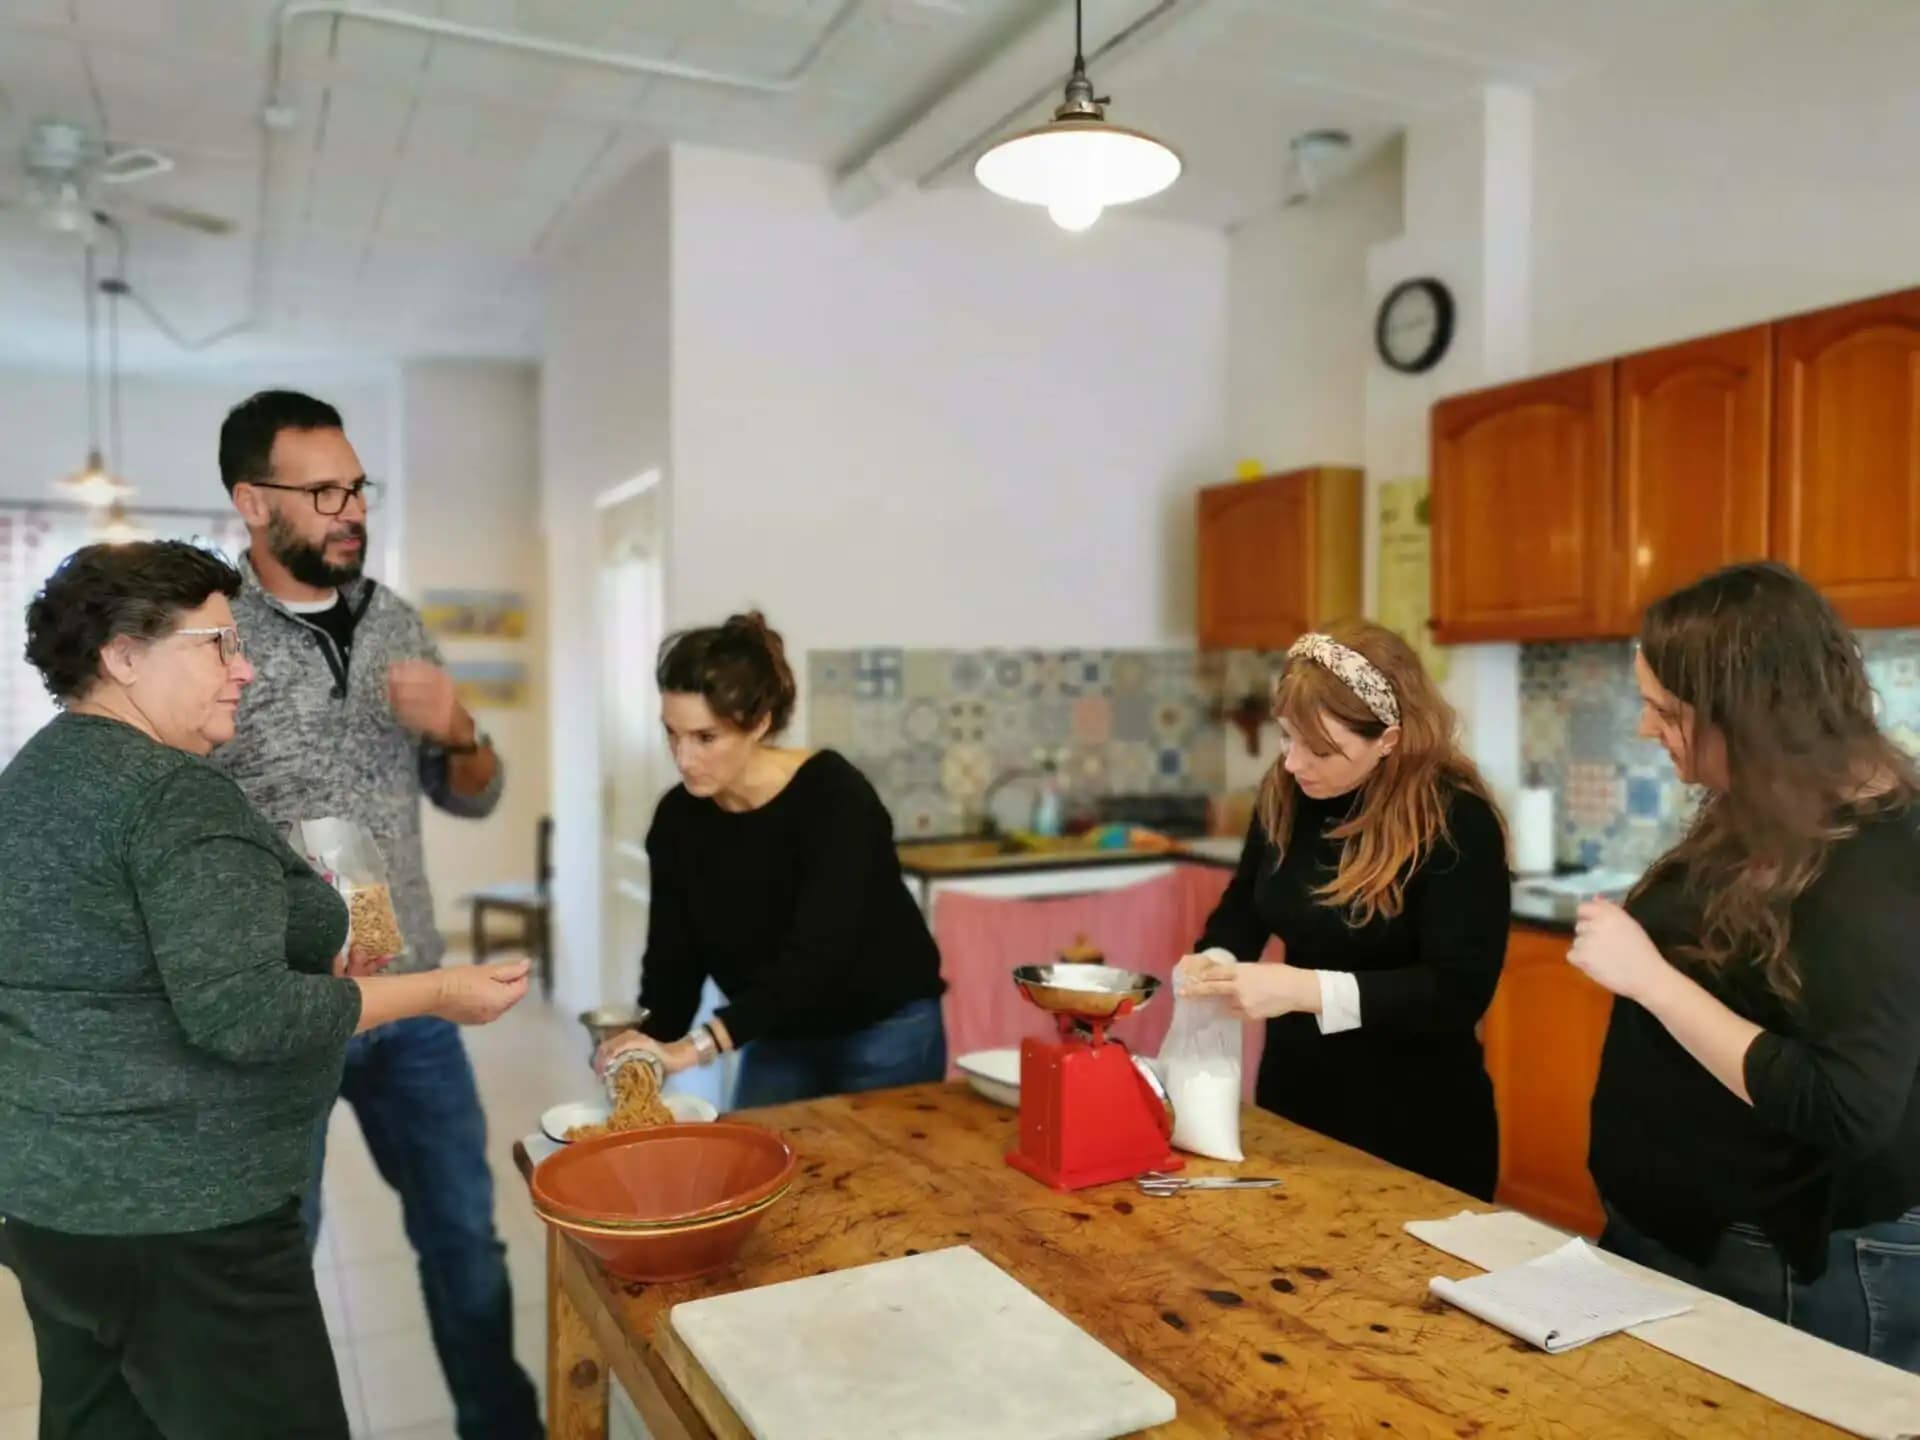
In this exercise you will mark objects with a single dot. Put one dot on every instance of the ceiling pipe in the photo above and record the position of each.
(1023, 80)
(292, 12)
(277, 115)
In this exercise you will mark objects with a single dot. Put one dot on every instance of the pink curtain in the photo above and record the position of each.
(1145, 927)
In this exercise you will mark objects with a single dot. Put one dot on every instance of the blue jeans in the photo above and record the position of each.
(1867, 1299)
(411, 1087)
(907, 1048)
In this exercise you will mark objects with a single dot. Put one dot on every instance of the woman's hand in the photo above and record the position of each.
(1610, 947)
(481, 994)
(1253, 992)
(357, 964)
(674, 1056)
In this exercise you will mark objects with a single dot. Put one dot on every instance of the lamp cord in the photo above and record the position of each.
(93, 362)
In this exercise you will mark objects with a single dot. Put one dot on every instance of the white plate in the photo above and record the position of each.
(687, 1110)
(994, 1074)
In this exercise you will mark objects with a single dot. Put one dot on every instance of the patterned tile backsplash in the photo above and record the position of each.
(934, 728)
(1619, 804)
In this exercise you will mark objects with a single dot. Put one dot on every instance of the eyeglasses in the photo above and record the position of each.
(330, 499)
(226, 637)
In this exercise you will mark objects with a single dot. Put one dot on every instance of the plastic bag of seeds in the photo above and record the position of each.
(346, 857)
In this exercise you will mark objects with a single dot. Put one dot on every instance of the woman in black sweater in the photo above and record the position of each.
(774, 873)
(1379, 861)
(1756, 1125)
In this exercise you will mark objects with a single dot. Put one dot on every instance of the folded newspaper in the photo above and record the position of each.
(1560, 1300)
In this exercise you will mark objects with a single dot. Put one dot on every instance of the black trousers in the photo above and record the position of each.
(211, 1335)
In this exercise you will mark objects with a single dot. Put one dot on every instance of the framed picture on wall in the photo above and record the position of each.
(489, 684)
(474, 614)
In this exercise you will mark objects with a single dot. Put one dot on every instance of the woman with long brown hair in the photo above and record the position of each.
(1756, 1126)
(1378, 859)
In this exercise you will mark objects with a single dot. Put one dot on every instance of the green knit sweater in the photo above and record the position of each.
(170, 1029)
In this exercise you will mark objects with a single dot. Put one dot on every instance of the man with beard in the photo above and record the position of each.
(352, 715)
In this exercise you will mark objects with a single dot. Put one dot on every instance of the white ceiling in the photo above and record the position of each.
(409, 206)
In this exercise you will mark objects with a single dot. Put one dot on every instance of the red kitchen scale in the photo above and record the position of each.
(1091, 1111)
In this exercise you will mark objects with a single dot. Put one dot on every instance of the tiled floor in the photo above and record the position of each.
(368, 1284)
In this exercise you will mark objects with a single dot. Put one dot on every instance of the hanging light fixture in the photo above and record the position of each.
(93, 485)
(117, 528)
(1078, 163)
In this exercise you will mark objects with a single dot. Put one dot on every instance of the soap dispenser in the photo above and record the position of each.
(1047, 806)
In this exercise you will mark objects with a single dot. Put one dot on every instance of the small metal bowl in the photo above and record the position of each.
(1095, 991)
(610, 1020)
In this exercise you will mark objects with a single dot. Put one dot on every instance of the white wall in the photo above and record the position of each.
(1691, 192)
(1467, 219)
(1753, 164)
(1298, 332)
(604, 391)
(470, 441)
(454, 444)
(945, 423)
(171, 428)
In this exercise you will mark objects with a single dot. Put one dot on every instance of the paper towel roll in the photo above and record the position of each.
(1533, 832)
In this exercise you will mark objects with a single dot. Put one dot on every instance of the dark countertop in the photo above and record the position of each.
(1542, 912)
(967, 858)
(1557, 912)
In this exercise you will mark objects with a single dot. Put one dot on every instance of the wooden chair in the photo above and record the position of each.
(532, 903)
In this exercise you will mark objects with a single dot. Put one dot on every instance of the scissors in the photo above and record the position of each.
(1155, 1182)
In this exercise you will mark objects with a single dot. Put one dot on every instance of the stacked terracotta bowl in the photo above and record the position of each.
(667, 1203)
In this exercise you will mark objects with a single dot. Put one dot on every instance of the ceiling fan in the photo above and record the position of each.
(71, 173)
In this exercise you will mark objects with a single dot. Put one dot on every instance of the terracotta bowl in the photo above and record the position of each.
(663, 1177)
(678, 1252)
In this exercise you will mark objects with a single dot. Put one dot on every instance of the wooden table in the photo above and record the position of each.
(1289, 1312)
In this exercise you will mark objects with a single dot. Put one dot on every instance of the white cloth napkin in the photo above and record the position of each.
(1563, 1299)
(1831, 1384)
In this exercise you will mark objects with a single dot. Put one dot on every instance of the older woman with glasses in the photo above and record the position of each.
(174, 1009)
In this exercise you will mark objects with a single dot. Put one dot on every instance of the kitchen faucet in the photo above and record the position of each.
(989, 827)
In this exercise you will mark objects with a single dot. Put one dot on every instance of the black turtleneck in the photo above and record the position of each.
(1409, 1085)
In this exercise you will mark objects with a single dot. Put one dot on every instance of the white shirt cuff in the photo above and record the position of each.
(1339, 1001)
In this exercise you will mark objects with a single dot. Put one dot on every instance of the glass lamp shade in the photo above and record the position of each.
(1077, 167)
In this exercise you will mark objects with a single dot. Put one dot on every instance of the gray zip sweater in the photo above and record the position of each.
(317, 737)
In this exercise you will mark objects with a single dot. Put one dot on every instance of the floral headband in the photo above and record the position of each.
(1353, 670)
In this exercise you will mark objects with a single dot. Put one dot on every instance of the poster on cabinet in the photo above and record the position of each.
(1405, 561)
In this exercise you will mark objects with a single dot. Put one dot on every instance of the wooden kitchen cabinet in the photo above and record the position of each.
(1522, 509)
(1563, 506)
(1279, 556)
(1693, 478)
(1846, 464)
(1543, 1035)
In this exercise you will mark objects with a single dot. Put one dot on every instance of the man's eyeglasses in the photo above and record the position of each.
(224, 636)
(330, 499)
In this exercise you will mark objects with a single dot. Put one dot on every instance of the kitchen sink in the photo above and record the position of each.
(957, 852)
(960, 852)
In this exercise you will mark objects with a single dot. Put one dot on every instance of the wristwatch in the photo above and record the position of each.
(481, 741)
(705, 1048)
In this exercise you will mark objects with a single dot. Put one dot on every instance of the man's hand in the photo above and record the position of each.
(423, 700)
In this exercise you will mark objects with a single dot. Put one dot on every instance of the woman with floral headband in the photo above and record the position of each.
(1378, 860)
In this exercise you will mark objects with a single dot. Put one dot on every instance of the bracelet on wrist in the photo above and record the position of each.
(705, 1048)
